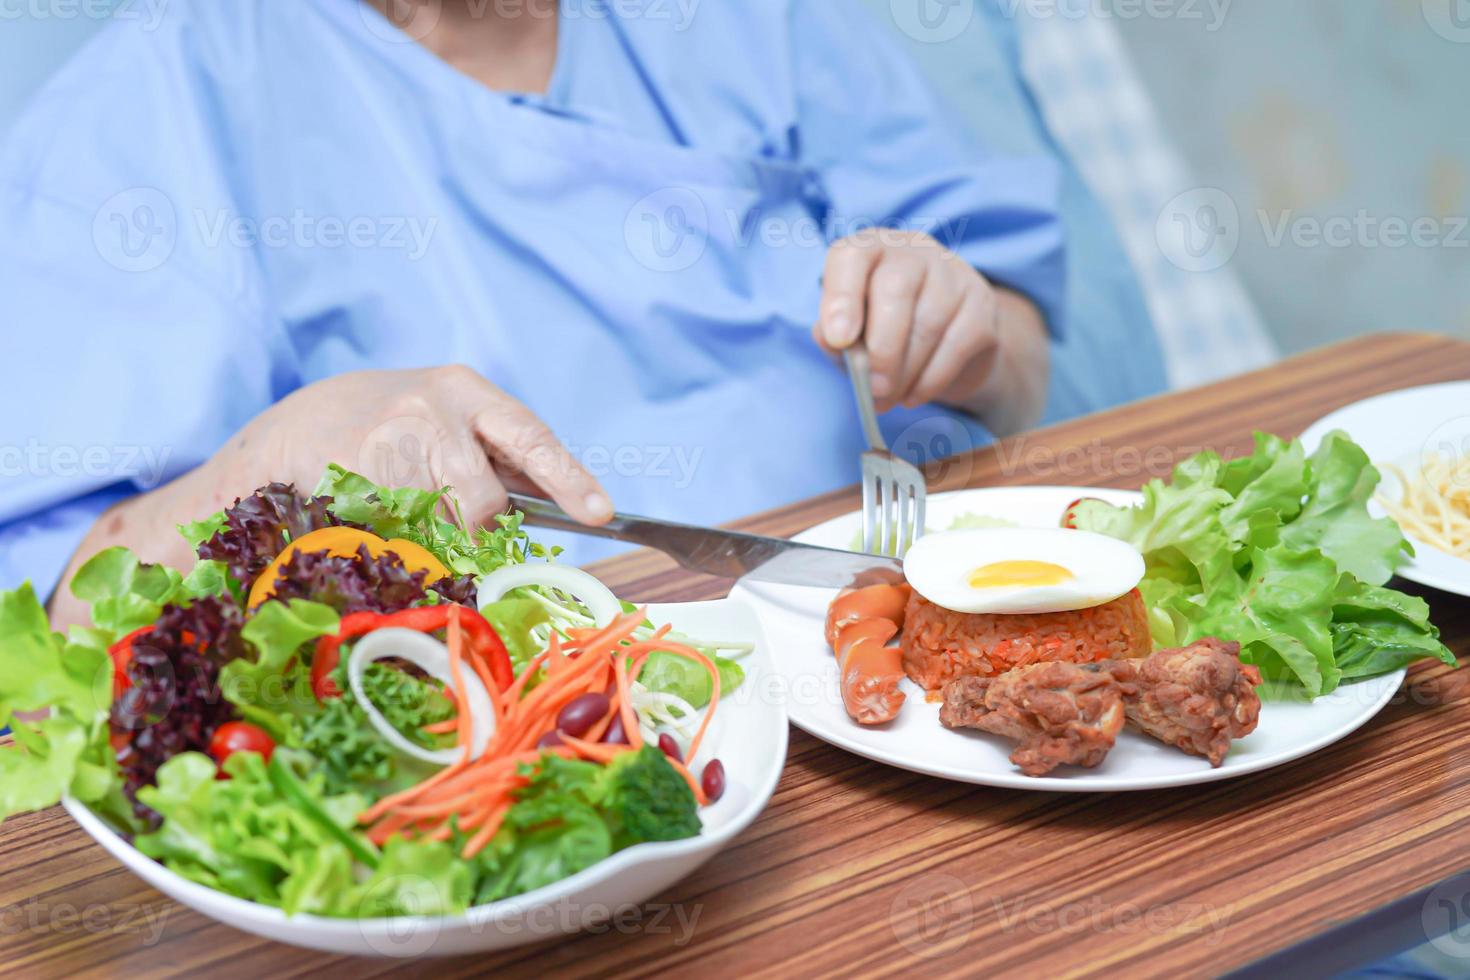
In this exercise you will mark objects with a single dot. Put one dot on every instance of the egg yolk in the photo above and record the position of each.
(1018, 573)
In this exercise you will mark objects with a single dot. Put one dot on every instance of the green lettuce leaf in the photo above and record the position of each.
(1376, 630)
(513, 619)
(669, 673)
(416, 877)
(1335, 518)
(67, 750)
(573, 814)
(239, 835)
(1278, 551)
(416, 515)
(198, 532)
(277, 631)
(1281, 616)
(351, 753)
(124, 593)
(39, 768)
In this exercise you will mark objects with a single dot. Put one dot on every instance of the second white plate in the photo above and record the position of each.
(1399, 427)
(806, 669)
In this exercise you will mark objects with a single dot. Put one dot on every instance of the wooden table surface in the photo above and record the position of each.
(856, 868)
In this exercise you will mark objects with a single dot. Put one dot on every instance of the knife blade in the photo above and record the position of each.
(727, 554)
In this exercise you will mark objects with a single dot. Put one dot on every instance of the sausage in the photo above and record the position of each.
(860, 622)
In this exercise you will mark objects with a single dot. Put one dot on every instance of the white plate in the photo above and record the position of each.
(793, 618)
(1399, 427)
(749, 737)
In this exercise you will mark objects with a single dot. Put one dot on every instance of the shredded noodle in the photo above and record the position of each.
(1435, 504)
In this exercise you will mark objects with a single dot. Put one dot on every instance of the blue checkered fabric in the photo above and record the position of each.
(1096, 108)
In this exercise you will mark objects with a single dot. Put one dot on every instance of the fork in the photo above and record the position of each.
(893, 488)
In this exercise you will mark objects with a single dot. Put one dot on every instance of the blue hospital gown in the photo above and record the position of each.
(204, 214)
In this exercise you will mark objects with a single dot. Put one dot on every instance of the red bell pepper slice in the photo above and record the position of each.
(121, 653)
(481, 637)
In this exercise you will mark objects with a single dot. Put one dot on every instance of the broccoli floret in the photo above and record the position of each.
(644, 798)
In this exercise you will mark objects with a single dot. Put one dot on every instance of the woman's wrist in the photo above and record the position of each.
(147, 524)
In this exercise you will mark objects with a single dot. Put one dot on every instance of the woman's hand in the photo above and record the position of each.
(426, 428)
(936, 330)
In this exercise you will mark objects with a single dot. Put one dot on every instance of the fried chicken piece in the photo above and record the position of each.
(1059, 713)
(1196, 698)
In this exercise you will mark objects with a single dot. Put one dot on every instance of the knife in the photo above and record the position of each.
(727, 554)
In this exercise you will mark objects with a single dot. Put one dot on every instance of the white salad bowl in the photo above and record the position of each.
(748, 735)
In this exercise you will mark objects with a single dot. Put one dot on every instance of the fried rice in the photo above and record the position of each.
(940, 645)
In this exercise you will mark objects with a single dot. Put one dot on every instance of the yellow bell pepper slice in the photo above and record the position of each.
(343, 542)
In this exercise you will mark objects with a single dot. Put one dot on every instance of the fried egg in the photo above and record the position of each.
(1021, 570)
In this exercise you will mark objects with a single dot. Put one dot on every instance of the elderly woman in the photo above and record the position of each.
(584, 248)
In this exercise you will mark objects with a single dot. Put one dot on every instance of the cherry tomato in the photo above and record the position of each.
(1069, 516)
(240, 736)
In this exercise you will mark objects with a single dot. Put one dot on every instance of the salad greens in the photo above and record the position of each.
(66, 751)
(351, 752)
(574, 813)
(171, 659)
(671, 674)
(415, 515)
(1276, 550)
(243, 836)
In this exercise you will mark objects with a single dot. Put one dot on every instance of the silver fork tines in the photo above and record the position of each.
(893, 488)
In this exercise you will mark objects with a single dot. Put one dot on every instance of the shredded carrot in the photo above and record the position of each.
(456, 674)
(683, 770)
(714, 696)
(475, 794)
(596, 751)
(485, 833)
(625, 702)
